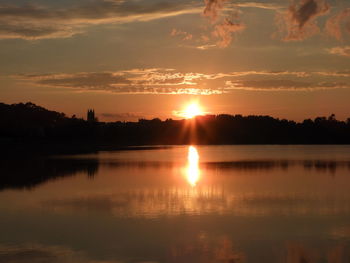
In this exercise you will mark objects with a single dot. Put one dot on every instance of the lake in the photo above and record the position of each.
(179, 204)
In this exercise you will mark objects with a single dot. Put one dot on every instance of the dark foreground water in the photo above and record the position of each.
(181, 204)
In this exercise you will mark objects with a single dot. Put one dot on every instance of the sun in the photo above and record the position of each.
(192, 110)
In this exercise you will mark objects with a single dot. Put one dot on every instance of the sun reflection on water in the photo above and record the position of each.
(192, 171)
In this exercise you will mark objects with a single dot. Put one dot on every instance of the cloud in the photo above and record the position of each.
(343, 73)
(260, 73)
(149, 81)
(33, 22)
(170, 81)
(283, 84)
(299, 21)
(334, 24)
(261, 5)
(205, 47)
(212, 8)
(341, 51)
(307, 10)
(83, 80)
(37, 22)
(224, 31)
(30, 31)
(184, 35)
(223, 27)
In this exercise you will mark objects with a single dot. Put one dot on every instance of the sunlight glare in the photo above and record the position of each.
(192, 110)
(193, 171)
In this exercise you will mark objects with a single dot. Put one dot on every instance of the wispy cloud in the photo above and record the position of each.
(343, 73)
(224, 25)
(205, 47)
(256, 4)
(341, 51)
(224, 32)
(283, 85)
(335, 24)
(183, 34)
(298, 22)
(37, 22)
(32, 22)
(212, 8)
(170, 81)
(150, 81)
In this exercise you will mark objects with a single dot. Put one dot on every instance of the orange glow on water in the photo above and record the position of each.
(193, 172)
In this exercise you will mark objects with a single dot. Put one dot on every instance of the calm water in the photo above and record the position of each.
(181, 204)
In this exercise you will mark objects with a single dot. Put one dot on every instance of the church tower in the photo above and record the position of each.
(91, 115)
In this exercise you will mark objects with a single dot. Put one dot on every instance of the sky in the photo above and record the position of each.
(131, 59)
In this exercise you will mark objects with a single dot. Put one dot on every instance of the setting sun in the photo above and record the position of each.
(192, 110)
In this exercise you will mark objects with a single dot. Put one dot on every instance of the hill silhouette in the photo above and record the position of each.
(26, 127)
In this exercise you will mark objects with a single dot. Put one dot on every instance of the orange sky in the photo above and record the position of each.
(143, 59)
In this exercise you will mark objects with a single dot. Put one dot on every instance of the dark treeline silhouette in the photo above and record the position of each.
(28, 173)
(33, 127)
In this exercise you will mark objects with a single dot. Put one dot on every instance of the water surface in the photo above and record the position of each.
(179, 204)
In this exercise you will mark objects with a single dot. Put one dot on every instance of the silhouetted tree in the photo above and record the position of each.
(21, 124)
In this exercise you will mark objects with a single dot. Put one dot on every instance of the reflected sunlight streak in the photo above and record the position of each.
(193, 172)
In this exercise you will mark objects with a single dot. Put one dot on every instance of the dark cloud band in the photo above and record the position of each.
(170, 81)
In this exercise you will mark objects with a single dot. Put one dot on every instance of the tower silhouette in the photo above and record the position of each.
(91, 115)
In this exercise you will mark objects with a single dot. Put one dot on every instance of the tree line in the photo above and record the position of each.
(25, 123)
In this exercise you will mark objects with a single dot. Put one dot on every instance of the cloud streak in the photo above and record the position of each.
(213, 8)
(261, 5)
(33, 22)
(299, 21)
(36, 22)
(341, 51)
(170, 81)
(224, 32)
(224, 26)
(283, 85)
(149, 81)
(334, 25)
(183, 34)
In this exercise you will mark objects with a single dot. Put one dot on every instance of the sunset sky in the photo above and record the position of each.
(131, 59)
